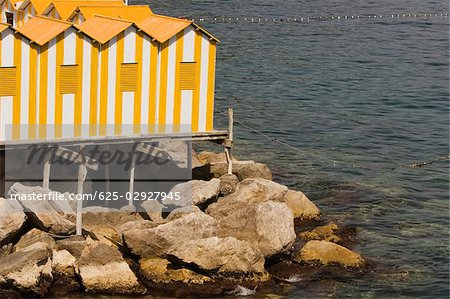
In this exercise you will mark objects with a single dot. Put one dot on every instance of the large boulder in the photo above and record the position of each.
(242, 169)
(221, 255)
(96, 215)
(44, 213)
(105, 234)
(64, 271)
(103, 270)
(138, 224)
(267, 226)
(75, 245)
(327, 253)
(154, 209)
(197, 192)
(209, 157)
(301, 206)
(155, 242)
(248, 191)
(183, 211)
(12, 219)
(160, 270)
(27, 271)
(35, 238)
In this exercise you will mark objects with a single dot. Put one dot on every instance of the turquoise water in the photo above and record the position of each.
(359, 100)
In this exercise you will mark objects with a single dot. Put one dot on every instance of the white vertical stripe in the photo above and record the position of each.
(25, 86)
(69, 47)
(188, 44)
(186, 108)
(130, 45)
(203, 84)
(128, 110)
(145, 79)
(68, 112)
(8, 49)
(158, 73)
(170, 100)
(6, 114)
(111, 105)
(51, 85)
(86, 92)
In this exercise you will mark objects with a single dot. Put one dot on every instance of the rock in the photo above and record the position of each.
(28, 272)
(267, 226)
(103, 270)
(155, 242)
(301, 206)
(327, 232)
(327, 253)
(228, 183)
(221, 255)
(195, 161)
(64, 271)
(12, 219)
(242, 169)
(74, 245)
(35, 238)
(180, 212)
(154, 209)
(105, 234)
(159, 270)
(210, 157)
(139, 224)
(42, 212)
(248, 191)
(197, 192)
(108, 216)
(63, 205)
(6, 250)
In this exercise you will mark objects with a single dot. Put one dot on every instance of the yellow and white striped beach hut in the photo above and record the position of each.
(8, 12)
(156, 74)
(62, 10)
(28, 9)
(135, 13)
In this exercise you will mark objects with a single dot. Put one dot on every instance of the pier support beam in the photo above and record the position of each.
(228, 143)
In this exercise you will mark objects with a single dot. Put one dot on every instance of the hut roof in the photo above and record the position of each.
(133, 13)
(41, 29)
(102, 29)
(3, 27)
(66, 8)
(163, 28)
(39, 5)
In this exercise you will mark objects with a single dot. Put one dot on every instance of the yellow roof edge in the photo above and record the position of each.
(104, 42)
(172, 18)
(115, 19)
(51, 19)
(205, 32)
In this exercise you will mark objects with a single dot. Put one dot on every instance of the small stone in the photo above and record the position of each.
(327, 232)
(228, 183)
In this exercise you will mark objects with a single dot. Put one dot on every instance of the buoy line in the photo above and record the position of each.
(335, 163)
(319, 18)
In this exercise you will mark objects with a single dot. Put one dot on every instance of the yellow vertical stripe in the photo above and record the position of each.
(196, 93)
(58, 95)
(94, 90)
(43, 90)
(211, 81)
(177, 101)
(1, 38)
(104, 87)
(152, 93)
(119, 97)
(32, 91)
(163, 85)
(16, 98)
(79, 94)
(138, 93)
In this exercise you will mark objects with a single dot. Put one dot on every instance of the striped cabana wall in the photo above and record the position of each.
(106, 77)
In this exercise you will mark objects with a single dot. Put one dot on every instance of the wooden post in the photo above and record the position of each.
(46, 175)
(82, 171)
(131, 187)
(229, 142)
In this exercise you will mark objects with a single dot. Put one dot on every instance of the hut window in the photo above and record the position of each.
(68, 79)
(9, 18)
(188, 75)
(128, 77)
(8, 81)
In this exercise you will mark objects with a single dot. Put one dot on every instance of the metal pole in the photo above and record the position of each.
(229, 141)
(131, 187)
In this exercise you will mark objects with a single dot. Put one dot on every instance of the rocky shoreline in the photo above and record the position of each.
(243, 233)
